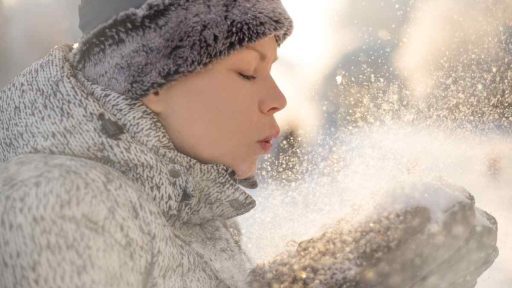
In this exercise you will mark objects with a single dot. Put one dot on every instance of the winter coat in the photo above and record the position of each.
(94, 194)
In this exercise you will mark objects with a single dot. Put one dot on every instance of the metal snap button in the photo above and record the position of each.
(185, 197)
(110, 128)
(232, 174)
(236, 204)
(175, 173)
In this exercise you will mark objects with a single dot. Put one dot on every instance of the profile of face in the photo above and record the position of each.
(220, 113)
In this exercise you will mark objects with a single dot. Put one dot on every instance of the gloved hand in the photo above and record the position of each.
(431, 235)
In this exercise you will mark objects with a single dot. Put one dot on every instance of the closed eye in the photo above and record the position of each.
(247, 77)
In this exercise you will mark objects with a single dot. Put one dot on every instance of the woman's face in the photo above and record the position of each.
(221, 112)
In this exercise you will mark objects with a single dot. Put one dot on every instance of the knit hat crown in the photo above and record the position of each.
(134, 47)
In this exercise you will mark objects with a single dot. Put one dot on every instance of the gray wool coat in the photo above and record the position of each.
(93, 193)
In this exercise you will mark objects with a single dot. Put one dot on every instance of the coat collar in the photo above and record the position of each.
(87, 120)
(207, 190)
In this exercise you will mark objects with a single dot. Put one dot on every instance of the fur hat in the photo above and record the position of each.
(134, 47)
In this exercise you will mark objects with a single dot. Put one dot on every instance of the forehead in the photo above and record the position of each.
(261, 51)
(264, 53)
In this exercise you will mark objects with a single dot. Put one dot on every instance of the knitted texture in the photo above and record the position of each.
(93, 194)
(141, 50)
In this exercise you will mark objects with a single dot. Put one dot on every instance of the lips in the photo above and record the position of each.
(265, 146)
(269, 138)
(266, 143)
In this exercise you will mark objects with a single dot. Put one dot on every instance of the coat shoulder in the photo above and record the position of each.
(72, 174)
(44, 67)
(71, 213)
(44, 183)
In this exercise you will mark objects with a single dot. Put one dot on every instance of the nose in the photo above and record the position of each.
(273, 99)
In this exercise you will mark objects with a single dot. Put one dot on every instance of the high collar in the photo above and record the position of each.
(67, 114)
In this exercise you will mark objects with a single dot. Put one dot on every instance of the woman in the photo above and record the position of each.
(122, 155)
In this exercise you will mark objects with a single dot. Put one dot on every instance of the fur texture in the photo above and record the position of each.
(140, 50)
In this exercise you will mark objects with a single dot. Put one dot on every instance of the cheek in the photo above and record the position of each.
(224, 132)
(229, 109)
(238, 113)
(216, 119)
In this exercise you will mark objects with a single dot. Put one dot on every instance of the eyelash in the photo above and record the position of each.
(247, 77)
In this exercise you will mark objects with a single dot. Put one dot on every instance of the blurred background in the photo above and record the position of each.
(378, 92)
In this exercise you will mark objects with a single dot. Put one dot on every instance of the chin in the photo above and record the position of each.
(246, 170)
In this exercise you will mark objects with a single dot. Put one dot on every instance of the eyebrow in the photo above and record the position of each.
(263, 56)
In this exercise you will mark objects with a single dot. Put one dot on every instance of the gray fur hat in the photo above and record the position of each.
(134, 47)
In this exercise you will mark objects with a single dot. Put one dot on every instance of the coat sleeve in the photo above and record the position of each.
(65, 223)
